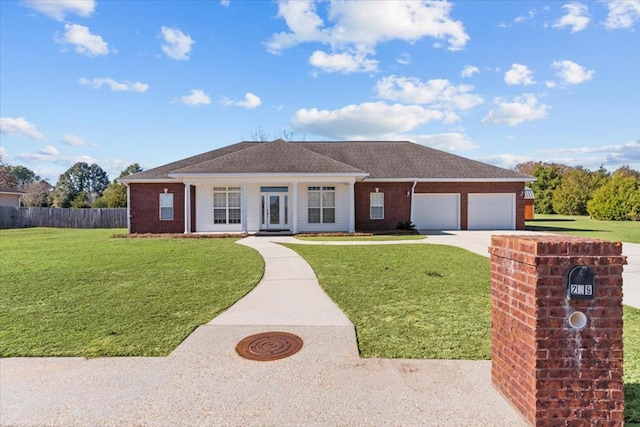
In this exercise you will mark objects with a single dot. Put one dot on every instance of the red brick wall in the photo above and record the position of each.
(397, 205)
(145, 208)
(464, 188)
(553, 374)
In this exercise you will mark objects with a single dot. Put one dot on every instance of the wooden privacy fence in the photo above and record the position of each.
(11, 217)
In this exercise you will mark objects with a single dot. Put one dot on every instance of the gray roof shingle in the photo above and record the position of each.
(273, 157)
(379, 159)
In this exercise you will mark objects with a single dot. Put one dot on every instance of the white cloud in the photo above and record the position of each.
(404, 59)
(224, 3)
(530, 15)
(519, 75)
(353, 31)
(450, 141)
(19, 126)
(343, 62)
(49, 150)
(4, 154)
(572, 73)
(577, 17)
(521, 109)
(622, 14)
(506, 161)
(520, 18)
(50, 155)
(439, 93)
(74, 140)
(469, 70)
(197, 97)
(57, 9)
(125, 86)
(176, 44)
(250, 101)
(367, 120)
(627, 153)
(85, 43)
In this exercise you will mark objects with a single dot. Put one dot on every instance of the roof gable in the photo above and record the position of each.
(271, 157)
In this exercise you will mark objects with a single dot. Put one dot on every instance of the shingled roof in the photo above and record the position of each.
(378, 159)
(273, 157)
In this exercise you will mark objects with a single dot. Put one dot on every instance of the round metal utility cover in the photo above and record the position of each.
(269, 346)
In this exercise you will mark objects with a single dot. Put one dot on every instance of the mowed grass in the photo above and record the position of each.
(431, 302)
(374, 238)
(71, 292)
(623, 231)
(409, 301)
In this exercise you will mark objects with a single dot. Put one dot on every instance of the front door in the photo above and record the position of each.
(275, 210)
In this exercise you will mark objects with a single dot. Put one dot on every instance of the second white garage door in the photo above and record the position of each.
(494, 211)
(436, 211)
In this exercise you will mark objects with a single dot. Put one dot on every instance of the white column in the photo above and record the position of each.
(128, 208)
(352, 208)
(294, 210)
(187, 208)
(243, 209)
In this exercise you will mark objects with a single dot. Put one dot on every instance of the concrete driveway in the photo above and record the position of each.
(478, 241)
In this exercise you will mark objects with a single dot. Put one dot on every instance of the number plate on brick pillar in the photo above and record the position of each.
(581, 283)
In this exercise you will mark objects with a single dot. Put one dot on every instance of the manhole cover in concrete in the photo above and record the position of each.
(269, 346)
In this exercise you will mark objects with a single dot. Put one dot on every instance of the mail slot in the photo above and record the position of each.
(581, 283)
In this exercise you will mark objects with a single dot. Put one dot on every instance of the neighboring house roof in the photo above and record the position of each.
(377, 159)
(528, 193)
(9, 190)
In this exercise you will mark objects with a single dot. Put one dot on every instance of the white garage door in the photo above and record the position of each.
(436, 211)
(494, 211)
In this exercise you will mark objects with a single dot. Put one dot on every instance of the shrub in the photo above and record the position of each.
(617, 200)
(405, 226)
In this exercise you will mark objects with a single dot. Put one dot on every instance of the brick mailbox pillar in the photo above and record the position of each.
(557, 352)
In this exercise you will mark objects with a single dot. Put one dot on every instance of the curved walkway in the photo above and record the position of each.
(204, 382)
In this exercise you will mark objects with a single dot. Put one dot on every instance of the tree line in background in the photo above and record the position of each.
(558, 188)
(81, 186)
(567, 190)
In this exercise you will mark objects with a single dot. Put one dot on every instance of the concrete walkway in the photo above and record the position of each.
(204, 382)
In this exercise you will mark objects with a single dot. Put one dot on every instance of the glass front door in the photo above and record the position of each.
(275, 211)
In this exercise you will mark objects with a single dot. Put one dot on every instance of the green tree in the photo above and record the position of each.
(576, 189)
(80, 178)
(24, 176)
(619, 198)
(115, 195)
(549, 176)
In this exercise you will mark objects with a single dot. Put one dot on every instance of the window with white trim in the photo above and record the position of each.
(376, 205)
(227, 205)
(322, 205)
(166, 206)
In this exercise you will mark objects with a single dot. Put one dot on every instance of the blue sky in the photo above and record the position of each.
(118, 82)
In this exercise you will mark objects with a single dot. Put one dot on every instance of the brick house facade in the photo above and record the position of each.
(323, 187)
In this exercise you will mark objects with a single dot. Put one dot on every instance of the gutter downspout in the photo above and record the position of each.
(413, 187)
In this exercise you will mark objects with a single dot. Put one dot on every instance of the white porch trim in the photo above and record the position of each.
(187, 208)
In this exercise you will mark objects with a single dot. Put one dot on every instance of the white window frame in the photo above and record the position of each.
(324, 205)
(376, 204)
(230, 194)
(166, 206)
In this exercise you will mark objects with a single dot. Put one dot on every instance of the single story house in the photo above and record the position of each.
(309, 187)
(10, 196)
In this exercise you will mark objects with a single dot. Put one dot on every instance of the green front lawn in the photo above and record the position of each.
(623, 231)
(375, 238)
(71, 292)
(429, 301)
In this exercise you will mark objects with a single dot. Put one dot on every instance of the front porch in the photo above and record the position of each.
(260, 205)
